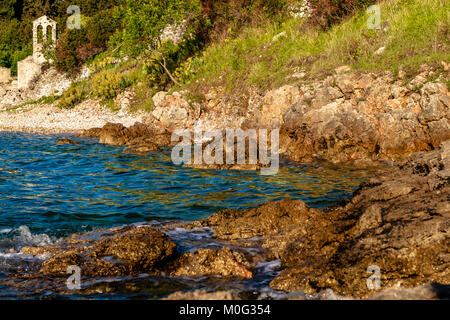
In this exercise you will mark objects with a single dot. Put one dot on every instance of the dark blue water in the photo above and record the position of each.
(62, 189)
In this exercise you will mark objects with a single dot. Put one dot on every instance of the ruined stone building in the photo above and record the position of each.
(44, 29)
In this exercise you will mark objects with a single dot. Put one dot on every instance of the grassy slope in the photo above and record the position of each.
(417, 32)
(413, 32)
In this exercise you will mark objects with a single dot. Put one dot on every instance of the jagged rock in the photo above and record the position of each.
(135, 250)
(270, 218)
(359, 117)
(253, 148)
(140, 137)
(275, 103)
(397, 220)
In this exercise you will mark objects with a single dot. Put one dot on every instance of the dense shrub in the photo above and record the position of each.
(71, 97)
(145, 19)
(107, 84)
(15, 43)
(16, 18)
(78, 45)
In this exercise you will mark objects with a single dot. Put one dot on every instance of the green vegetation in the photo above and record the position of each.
(16, 17)
(413, 32)
(71, 97)
(236, 44)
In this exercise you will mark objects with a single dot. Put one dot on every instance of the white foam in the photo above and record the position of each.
(269, 266)
(22, 236)
(194, 234)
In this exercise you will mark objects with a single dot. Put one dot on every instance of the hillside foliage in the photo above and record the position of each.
(235, 44)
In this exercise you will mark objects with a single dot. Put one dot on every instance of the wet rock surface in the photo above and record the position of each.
(66, 141)
(121, 251)
(224, 262)
(131, 251)
(397, 221)
(232, 151)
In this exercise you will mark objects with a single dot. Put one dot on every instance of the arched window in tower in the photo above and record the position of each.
(49, 34)
(40, 34)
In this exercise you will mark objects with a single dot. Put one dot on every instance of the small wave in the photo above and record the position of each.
(22, 236)
(5, 230)
(194, 234)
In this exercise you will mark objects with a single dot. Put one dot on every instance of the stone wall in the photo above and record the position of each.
(27, 71)
(5, 75)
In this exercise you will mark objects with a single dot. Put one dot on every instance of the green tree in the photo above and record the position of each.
(7, 9)
(145, 20)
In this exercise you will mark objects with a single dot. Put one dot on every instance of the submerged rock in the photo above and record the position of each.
(66, 141)
(202, 295)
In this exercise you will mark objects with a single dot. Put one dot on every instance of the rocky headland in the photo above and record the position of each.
(350, 117)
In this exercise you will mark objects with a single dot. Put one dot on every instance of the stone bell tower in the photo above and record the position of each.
(44, 29)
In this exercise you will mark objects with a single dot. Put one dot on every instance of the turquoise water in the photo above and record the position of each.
(48, 191)
(62, 189)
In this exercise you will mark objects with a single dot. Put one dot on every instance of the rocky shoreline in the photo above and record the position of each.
(348, 118)
(363, 118)
(397, 221)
